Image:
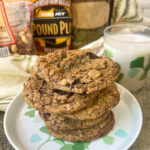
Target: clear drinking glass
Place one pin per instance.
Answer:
(129, 47)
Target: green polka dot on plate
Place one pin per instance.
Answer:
(35, 138)
(121, 133)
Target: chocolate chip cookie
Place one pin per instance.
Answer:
(78, 71)
(58, 122)
(74, 92)
(38, 94)
(83, 135)
(106, 100)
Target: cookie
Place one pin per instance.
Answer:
(78, 71)
(83, 135)
(38, 94)
(106, 100)
(58, 122)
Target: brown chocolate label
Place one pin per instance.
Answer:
(6, 35)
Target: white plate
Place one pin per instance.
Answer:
(26, 131)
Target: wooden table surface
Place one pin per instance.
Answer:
(143, 141)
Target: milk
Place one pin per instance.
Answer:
(128, 50)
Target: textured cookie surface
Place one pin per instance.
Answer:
(106, 100)
(78, 71)
(57, 122)
(83, 135)
(38, 94)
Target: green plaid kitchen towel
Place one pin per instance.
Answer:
(14, 71)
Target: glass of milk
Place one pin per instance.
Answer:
(129, 47)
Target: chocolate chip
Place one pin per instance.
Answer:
(44, 83)
(76, 81)
(70, 94)
(92, 56)
(46, 115)
(58, 65)
(60, 92)
(41, 92)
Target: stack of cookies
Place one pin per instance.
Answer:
(74, 92)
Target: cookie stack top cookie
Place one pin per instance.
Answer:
(77, 71)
